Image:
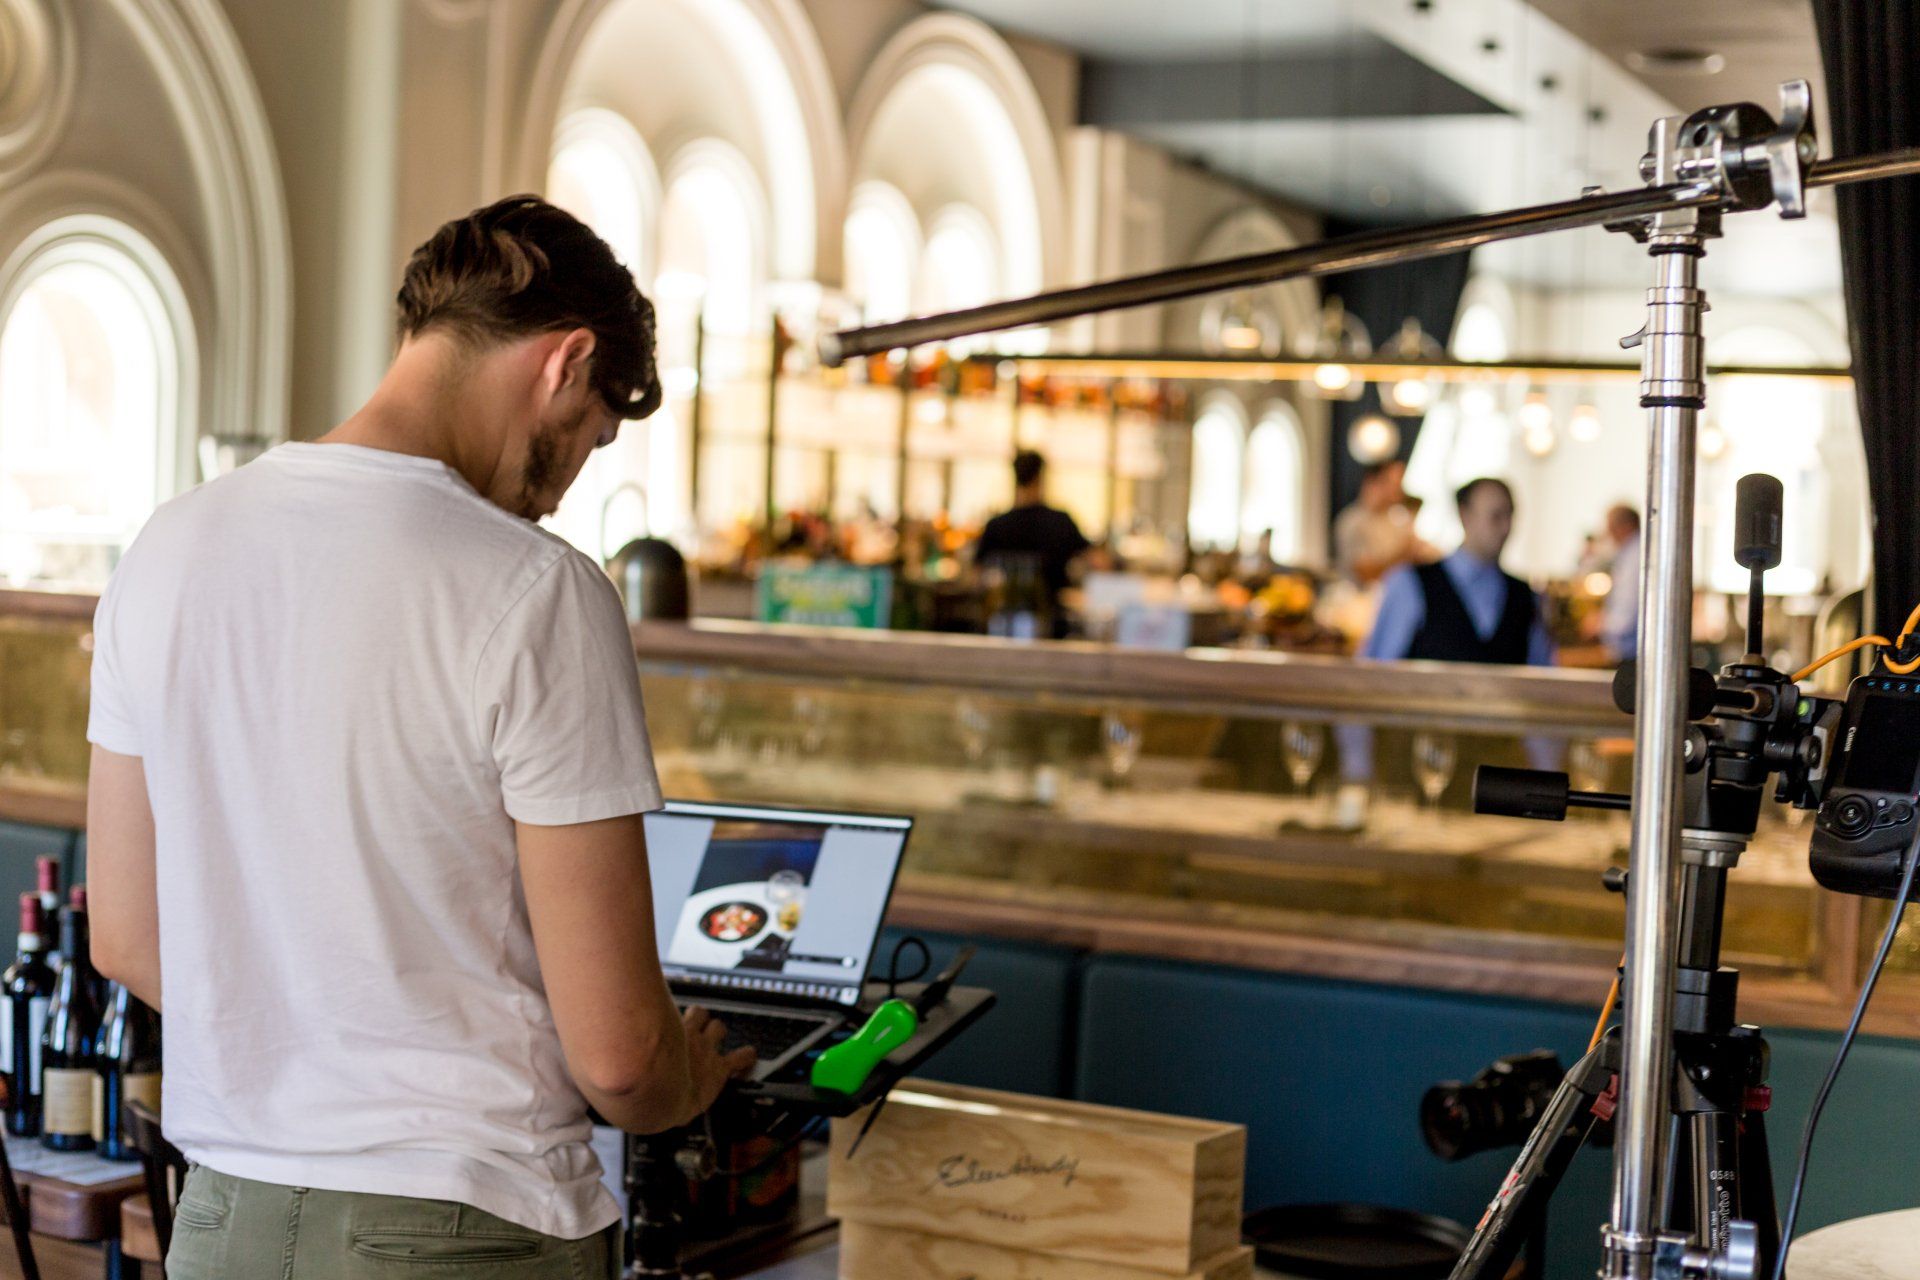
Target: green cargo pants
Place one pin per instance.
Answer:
(232, 1229)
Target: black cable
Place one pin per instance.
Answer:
(1840, 1057)
(894, 976)
(809, 1127)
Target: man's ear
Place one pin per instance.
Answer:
(567, 367)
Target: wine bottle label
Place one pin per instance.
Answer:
(36, 1023)
(69, 1108)
(142, 1087)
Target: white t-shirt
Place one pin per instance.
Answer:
(347, 675)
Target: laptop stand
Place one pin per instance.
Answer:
(659, 1165)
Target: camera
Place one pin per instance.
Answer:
(1497, 1108)
(1856, 762)
(1866, 819)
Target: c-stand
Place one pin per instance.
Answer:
(1719, 1175)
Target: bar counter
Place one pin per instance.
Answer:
(1178, 805)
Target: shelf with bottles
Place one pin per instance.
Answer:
(75, 1048)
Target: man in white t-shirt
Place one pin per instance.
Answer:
(368, 775)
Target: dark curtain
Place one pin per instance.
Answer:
(1871, 52)
(1382, 297)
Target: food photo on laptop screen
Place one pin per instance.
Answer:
(768, 899)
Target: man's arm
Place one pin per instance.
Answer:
(122, 897)
(1403, 609)
(590, 901)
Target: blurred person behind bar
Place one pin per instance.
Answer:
(1374, 534)
(1032, 536)
(367, 785)
(1463, 608)
(1620, 616)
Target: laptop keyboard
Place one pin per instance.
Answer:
(770, 1034)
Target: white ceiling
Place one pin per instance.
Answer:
(1574, 115)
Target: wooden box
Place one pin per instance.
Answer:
(868, 1252)
(1070, 1179)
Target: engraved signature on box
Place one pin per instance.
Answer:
(965, 1171)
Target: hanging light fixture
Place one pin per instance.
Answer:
(1239, 324)
(1583, 424)
(1713, 441)
(1535, 415)
(1410, 397)
(1341, 337)
(1373, 438)
(1539, 439)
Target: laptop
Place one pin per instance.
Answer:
(768, 916)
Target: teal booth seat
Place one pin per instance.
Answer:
(1327, 1077)
(1025, 1043)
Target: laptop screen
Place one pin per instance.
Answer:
(784, 901)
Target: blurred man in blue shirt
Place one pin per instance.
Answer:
(1620, 618)
(1465, 608)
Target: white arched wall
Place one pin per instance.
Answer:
(946, 114)
(1297, 304)
(184, 159)
(749, 72)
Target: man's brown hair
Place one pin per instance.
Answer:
(522, 266)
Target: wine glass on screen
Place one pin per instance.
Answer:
(1434, 756)
(1120, 735)
(787, 893)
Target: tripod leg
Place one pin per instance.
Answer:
(1716, 1176)
(1756, 1188)
(1520, 1207)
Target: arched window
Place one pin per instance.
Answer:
(713, 234)
(1276, 482)
(602, 174)
(882, 252)
(1480, 334)
(95, 349)
(1214, 486)
(962, 266)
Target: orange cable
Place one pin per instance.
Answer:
(1841, 652)
(1606, 1010)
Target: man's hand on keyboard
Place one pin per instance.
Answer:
(709, 1068)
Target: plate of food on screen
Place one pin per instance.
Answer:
(733, 921)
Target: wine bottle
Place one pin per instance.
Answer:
(28, 987)
(67, 1077)
(47, 872)
(129, 1068)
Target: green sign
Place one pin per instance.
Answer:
(825, 595)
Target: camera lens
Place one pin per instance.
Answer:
(1497, 1108)
(1852, 816)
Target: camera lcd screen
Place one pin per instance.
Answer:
(1885, 751)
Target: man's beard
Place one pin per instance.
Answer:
(541, 471)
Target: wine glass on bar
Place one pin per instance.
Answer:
(1434, 757)
(972, 724)
(1120, 737)
(1302, 746)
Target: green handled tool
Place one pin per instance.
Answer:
(846, 1066)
